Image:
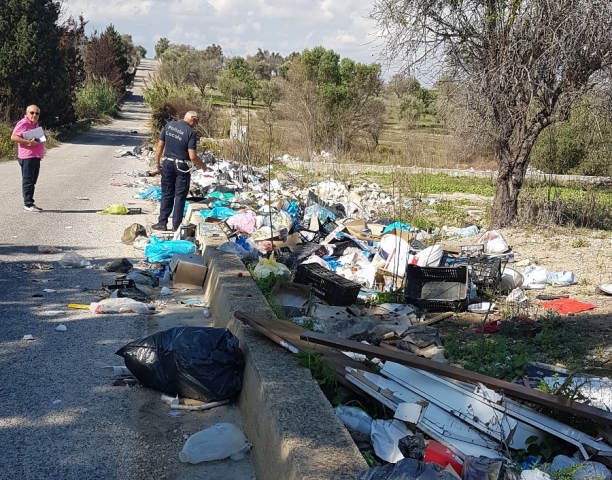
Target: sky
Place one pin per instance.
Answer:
(241, 26)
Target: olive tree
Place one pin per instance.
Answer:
(521, 64)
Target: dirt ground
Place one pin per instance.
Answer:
(587, 253)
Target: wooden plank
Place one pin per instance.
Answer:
(435, 319)
(278, 330)
(510, 389)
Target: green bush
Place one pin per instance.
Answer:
(169, 102)
(95, 99)
(7, 148)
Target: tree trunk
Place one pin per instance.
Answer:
(510, 178)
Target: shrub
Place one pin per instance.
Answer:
(7, 148)
(95, 99)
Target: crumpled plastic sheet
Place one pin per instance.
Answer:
(152, 193)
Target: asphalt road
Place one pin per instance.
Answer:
(60, 415)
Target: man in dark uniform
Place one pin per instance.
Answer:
(177, 141)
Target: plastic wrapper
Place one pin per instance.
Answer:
(202, 363)
(407, 469)
(74, 260)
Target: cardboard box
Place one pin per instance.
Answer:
(188, 271)
(363, 231)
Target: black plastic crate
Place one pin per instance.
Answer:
(303, 251)
(485, 272)
(327, 285)
(437, 288)
(341, 246)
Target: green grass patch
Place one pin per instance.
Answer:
(505, 354)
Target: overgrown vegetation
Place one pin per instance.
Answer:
(522, 339)
(72, 72)
(95, 99)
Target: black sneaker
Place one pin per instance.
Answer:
(159, 226)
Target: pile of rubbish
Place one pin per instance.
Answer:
(340, 264)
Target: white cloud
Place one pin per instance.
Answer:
(239, 26)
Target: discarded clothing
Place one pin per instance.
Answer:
(568, 305)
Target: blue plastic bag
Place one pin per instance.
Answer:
(151, 193)
(218, 212)
(159, 250)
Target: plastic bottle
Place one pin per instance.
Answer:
(220, 441)
(560, 278)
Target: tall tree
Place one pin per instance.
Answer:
(237, 80)
(343, 91)
(32, 68)
(402, 84)
(521, 64)
(100, 62)
(121, 51)
(161, 46)
(73, 42)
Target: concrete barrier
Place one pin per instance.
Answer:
(292, 426)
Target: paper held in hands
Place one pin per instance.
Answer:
(36, 133)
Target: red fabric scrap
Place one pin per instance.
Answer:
(568, 305)
(490, 327)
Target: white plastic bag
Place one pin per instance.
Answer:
(220, 441)
(429, 257)
(140, 242)
(494, 242)
(534, 474)
(533, 275)
(121, 305)
(386, 435)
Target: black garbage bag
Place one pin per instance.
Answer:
(122, 265)
(412, 446)
(202, 363)
(482, 468)
(285, 256)
(407, 469)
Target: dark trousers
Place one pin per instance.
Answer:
(175, 188)
(30, 168)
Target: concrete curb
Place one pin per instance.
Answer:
(293, 428)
